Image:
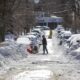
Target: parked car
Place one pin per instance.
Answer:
(59, 28)
(45, 28)
(73, 42)
(73, 39)
(23, 40)
(33, 38)
(37, 36)
(39, 31)
(39, 27)
(65, 35)
(30, 42)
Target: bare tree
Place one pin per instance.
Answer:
(16, 15)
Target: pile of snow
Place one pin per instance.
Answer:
(75, 53)
(78, 50)
(10, 51)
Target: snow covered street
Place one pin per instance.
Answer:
(54, 66)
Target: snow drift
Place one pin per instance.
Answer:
(11, 52)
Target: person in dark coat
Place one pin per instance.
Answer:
(44, 43)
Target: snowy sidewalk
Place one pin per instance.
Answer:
(40, 69)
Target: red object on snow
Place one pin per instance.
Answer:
(29, 50)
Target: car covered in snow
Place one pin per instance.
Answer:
(65, 35)
(73, 42)
(23, 40)
(30, 41)
(38, 37)
(45, 28)
(39, 27)
(41, 32)
(59, 28)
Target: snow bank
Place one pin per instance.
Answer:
(10, 51)
(75, 53)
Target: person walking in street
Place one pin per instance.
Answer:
(44, 43)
